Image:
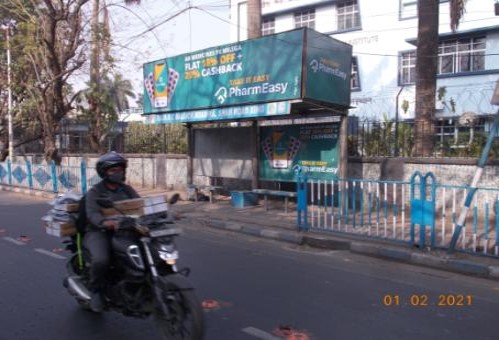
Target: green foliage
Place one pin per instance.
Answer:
(141, 138)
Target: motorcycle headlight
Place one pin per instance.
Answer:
(168, 255)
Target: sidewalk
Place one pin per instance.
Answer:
(277, 225)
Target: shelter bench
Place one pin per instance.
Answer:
(277, 193)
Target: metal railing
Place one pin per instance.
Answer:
(392, 139)
(46, 177)
(383, 209)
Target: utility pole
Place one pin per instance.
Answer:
(254, 31)
(6, 27)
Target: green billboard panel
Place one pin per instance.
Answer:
(267, 69)
(314, 147)
(328, 69)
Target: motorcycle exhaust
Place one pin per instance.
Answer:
(76, 287)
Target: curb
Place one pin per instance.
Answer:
(30, 192)
(373, 250)
(254, 231)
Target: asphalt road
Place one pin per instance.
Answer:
(260, 288)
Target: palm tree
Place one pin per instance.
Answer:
(118, 91)
(426, 68)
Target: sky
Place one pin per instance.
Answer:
(157, 29)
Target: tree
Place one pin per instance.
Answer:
(118, 91)
(426, 68)
(47, 52)
(100, 63)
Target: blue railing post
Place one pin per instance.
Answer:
(301, 195)
(54, 176)
(497, 228)
(30, 174)
(9, 171)
(423, 209)
(83, 177)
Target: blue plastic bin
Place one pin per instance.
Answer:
(241, 199)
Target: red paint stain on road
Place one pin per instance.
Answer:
(24, 238)
(288, 333)
(57, 250)
(210, 304)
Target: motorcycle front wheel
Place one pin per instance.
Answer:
(185, 318)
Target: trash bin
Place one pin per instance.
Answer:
(241, 199)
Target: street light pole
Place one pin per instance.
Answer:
(6, 28)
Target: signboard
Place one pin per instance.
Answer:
(294, 65)
(328, 69)
(222, 113)
(314, 147)
(260, 70)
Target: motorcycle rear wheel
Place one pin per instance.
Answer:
(186, 318)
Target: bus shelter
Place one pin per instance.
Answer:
(279, 101)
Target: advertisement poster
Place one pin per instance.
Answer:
(313, 147)
(267, 69)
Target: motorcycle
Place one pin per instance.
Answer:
(143, 279)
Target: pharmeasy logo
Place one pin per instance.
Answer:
(328, 67)
(221, 95)
(258, 89)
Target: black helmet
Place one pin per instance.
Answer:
(109, 160)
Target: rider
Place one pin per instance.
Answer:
(111, 167)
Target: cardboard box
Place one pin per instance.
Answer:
(68, 207)
(60, 232)
(134, 203)
(154, 200)
(60, 229)
(137, 203)
(142, 211)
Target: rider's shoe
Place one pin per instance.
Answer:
(96, 303)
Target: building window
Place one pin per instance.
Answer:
(242, 19)
(348, 15)
(268, 26)
(461, 55)
(305, 19)
(409, 9)
(355, 80)
(407, 66)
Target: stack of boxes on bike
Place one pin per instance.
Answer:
(60, 220)
(138, 206)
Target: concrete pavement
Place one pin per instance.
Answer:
(277, 225)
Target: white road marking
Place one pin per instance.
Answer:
(258, 333)
(13, 240)
(49, 253)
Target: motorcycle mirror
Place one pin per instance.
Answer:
(174, 198)
(105, 202)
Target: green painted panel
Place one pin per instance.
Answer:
(314, 147)
(328, 69)
(267, 69)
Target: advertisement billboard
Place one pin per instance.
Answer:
(314, 147)
(254, 71)
(295, 65)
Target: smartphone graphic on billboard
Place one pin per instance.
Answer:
(160, 85)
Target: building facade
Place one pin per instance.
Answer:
(383, 35)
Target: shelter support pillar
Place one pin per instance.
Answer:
(343, 161)
(190, 153)
(255, 140)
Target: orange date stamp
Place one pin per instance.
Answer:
(425, 300)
